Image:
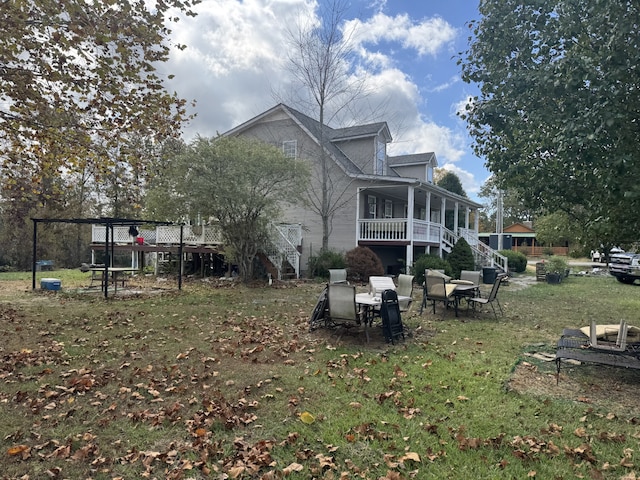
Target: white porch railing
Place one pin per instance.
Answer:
(191, 234)
(387, 229)
(166, 234)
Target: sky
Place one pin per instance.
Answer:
(235, 67)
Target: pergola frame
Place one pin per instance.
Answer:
(109, 223)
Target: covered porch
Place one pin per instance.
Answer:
(417, 215)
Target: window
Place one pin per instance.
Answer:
(373, 206)
(290, 148)
(388, 209)
(381, 157)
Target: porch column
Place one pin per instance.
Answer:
(455, 218)
(411, 192)
(466, 217)
(357, 232)
(443, 206)
(476, 219)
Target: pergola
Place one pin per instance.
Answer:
(108, 223)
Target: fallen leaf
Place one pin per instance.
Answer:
(307, 418)
(294, 467)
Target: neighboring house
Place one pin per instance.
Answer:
(389, 204)
(521, 237)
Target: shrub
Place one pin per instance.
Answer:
(461, 258)
(362, 262)
(319, 266)
(517, 260)
(556, 265)
(426, 261)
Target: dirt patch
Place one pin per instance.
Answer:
(613, 389)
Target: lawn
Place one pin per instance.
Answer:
(225, 381)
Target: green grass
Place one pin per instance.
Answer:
(211, 381)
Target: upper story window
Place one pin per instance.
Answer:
(381, 158)
(290, 148)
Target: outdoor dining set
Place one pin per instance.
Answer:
(387, 298)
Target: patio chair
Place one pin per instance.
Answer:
(378, 284)
(471, 276)
(342, 309)
(405, 289)
(437, 290)
(341, 299)
(491, 299)
(338, 275)
(391, 320)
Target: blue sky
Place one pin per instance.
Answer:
(235, 67)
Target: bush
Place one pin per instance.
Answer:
(461, 258)
(556, 265)
(319, 266)
(517, 260)
(426, 261)
(362, 263)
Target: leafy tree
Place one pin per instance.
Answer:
(512, 209)
(555, 229)
(77, 78)
(451, 182)
(241, 183)
(557, 114)
(461, 258)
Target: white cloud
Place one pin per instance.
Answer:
(428, 36)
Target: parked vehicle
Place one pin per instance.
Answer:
(625, 266)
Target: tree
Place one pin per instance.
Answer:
(451, 182)
(320, 60)
(461, 257)
(512, 209)
(78, 77)
(240, 183)
(557, 114)
(556, 229)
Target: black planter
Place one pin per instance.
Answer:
(554, 278)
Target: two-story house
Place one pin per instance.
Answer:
(387, 203)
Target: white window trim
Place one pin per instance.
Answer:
(290, 148)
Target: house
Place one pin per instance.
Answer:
(521, 237)
(387, 203)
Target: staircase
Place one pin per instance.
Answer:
(483, 255)
(283, 253)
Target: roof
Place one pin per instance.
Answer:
(362, 131)
(428, 158)
(335, 136)
(518, 228)
(102, 221)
